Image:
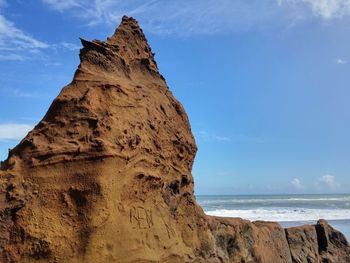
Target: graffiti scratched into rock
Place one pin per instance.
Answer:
(141, 217)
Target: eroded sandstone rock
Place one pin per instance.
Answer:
(105, 176)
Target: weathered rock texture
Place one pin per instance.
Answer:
(106, 177)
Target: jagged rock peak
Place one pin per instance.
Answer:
(131, 39)
(126, 53)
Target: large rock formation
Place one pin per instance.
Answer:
(106, 177)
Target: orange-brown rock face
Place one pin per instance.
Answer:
(106, 177)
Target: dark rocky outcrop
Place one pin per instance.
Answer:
(105, 176)
(317, 243)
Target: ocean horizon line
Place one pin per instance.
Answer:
(295, 194)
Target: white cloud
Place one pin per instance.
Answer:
(328, 180)
(325, 9)
(341, 61)
(14, 131)
(329, 9)
(296, 183)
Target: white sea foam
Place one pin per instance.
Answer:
(284, 214)
(272, 200)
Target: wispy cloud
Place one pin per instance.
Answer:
(341, 61)
(62, 5)
(17, 45)
(221, 138)
(12, 57)
(185, 17)
(212, 137)
(205, 135)
(53, 64)
(14, 131)
(182, 17)
(296, 183)
(66, 46)
(70, 46)
(22, 94)
(14, 39)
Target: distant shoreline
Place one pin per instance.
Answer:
(289, 210)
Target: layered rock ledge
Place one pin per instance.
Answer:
(105, 176)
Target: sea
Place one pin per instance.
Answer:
(288, 210)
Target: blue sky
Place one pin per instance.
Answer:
(265, 83)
